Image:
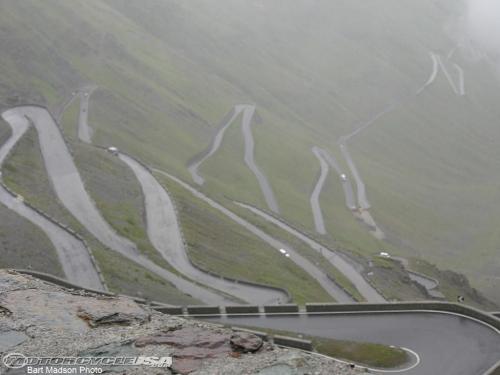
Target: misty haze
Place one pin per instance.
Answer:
(262, 164)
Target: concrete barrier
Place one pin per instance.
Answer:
(262, 335)
(293, 342)
(494, 370)
(274, 309)
(406, 306)
(174, 310)
(203, 310)
(61, 282)
(244, 309)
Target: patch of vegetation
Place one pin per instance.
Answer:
(453, 284)
(5, 131)
(361, 353)
(125, 277)
(217, 244)
(25, 165)
(24, 245)
(368, 354)
(117, 194)
(311, 254)
(165, 82)
(69, 120)
(393, 281)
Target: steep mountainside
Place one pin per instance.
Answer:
(405, 74)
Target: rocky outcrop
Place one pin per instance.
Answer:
(41, 319)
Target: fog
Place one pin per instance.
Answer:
(483, 24)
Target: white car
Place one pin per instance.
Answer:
(383, 254)
(343, 177)
(113, 150)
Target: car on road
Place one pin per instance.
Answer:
(343, 177)
(113, 150)
(384, 254)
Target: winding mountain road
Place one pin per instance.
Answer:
(74, 257)
(349, 270)
(214, 146)
(247, 112)
(265, 187)
(319, 223)
(165, 235)
(446, 344)
(316, 273)
(326, 160)
(360, 185)
(70, 190)
(350, 201)
(85, 132)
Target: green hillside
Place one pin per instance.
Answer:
(167, 73)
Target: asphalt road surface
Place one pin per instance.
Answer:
(84, 130)
(70, 190)
(349, 270)
(446, 344)
(214, 146)
(319, 223)
(72, 253)
(350, 201)
(265, 187)
(165, 235)
(315, 272)
(247, 112)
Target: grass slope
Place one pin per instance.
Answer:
(168, 73)
(25, 165)
(217, 244)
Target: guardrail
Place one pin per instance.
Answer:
(66, 284)
(46, 215)
(340, 252)
(211, 273)
(494, 370)
(406, 306)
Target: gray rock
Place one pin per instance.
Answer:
(246, 342)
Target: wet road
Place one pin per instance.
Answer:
(265, 187)
(165, 235)
(247, 112)
(85, 132)
(70, 190)
(316, 273)
(319, 223)
(446, 344)
(350, 201)
(72, 253)
(349, 270)
(214, 146)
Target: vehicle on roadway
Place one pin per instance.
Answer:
(113, 150)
